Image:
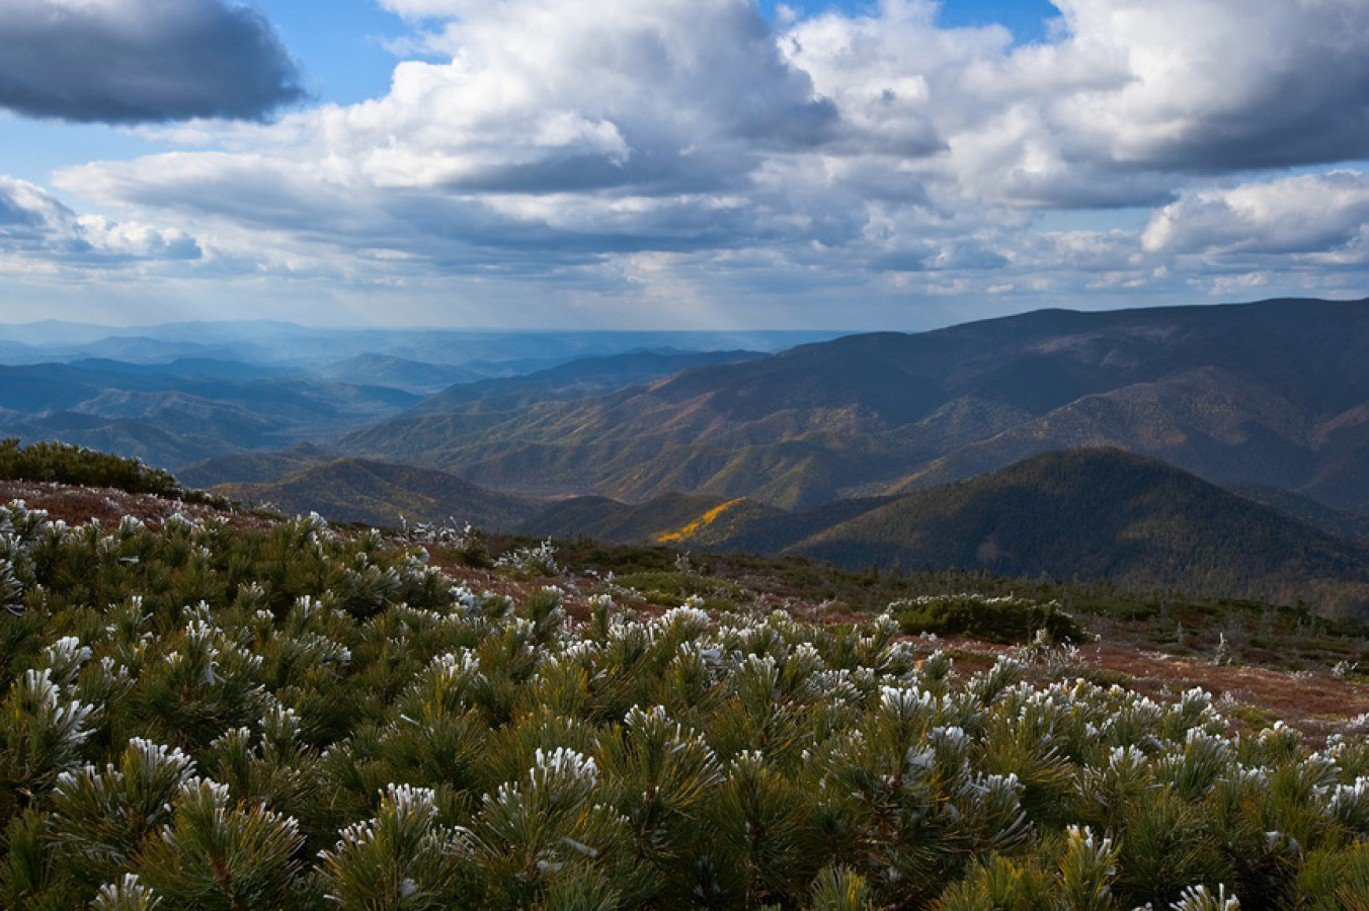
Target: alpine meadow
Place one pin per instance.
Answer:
(684, 455)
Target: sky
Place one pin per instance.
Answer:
(900, 164)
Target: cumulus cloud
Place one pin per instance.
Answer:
(36, 228)
(126, 61)
(555, 95)
(1308, 213)
(1131, 96)
(1217, 85)
(695, 144)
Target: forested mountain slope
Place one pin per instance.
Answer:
(1081, 514)
(1271, 393)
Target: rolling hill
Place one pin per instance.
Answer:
(418, 377)
(377, 493)
(573, 380)
(1272, 393)
(481, 400)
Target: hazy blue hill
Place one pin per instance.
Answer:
(1272, 393)
(183, 369)
(397, 372)
(185, 410)
(139, 439)
(487, 352)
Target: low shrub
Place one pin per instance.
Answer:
(208, 717)
(1003, 618)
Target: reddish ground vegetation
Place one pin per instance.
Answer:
(76, 505)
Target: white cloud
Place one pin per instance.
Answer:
(1219, 84)
(555, 95)
(1134, 96)
(1309, 213)
(603, 145)
(36, 228)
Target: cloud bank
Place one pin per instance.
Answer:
(38, 232)
(128, 61)
(836, 167)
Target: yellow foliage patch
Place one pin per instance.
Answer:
(698, 524)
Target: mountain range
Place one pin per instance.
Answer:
(1084, 514)
(192, 409)
(1273, 393)
(1216, 449)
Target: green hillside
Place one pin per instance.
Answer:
(1104, 513)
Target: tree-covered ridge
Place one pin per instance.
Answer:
(214, 717)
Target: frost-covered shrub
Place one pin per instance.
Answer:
(68, 464)
(211, 717)
(531, 560)
(1004, 618)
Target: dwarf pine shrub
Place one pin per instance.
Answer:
(212, 717)
(1002, 618)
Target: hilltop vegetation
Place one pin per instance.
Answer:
(212, 716)
(63, 464)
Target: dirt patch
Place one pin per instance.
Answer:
(1315, 701)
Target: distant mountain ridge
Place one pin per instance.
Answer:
(185, 410)
(576, 379)
(1271, 393)
(196, 410)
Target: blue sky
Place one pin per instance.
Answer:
(677, 162)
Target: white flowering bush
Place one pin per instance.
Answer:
(210, 717)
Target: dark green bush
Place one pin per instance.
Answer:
(66, 464)
(995, 619)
